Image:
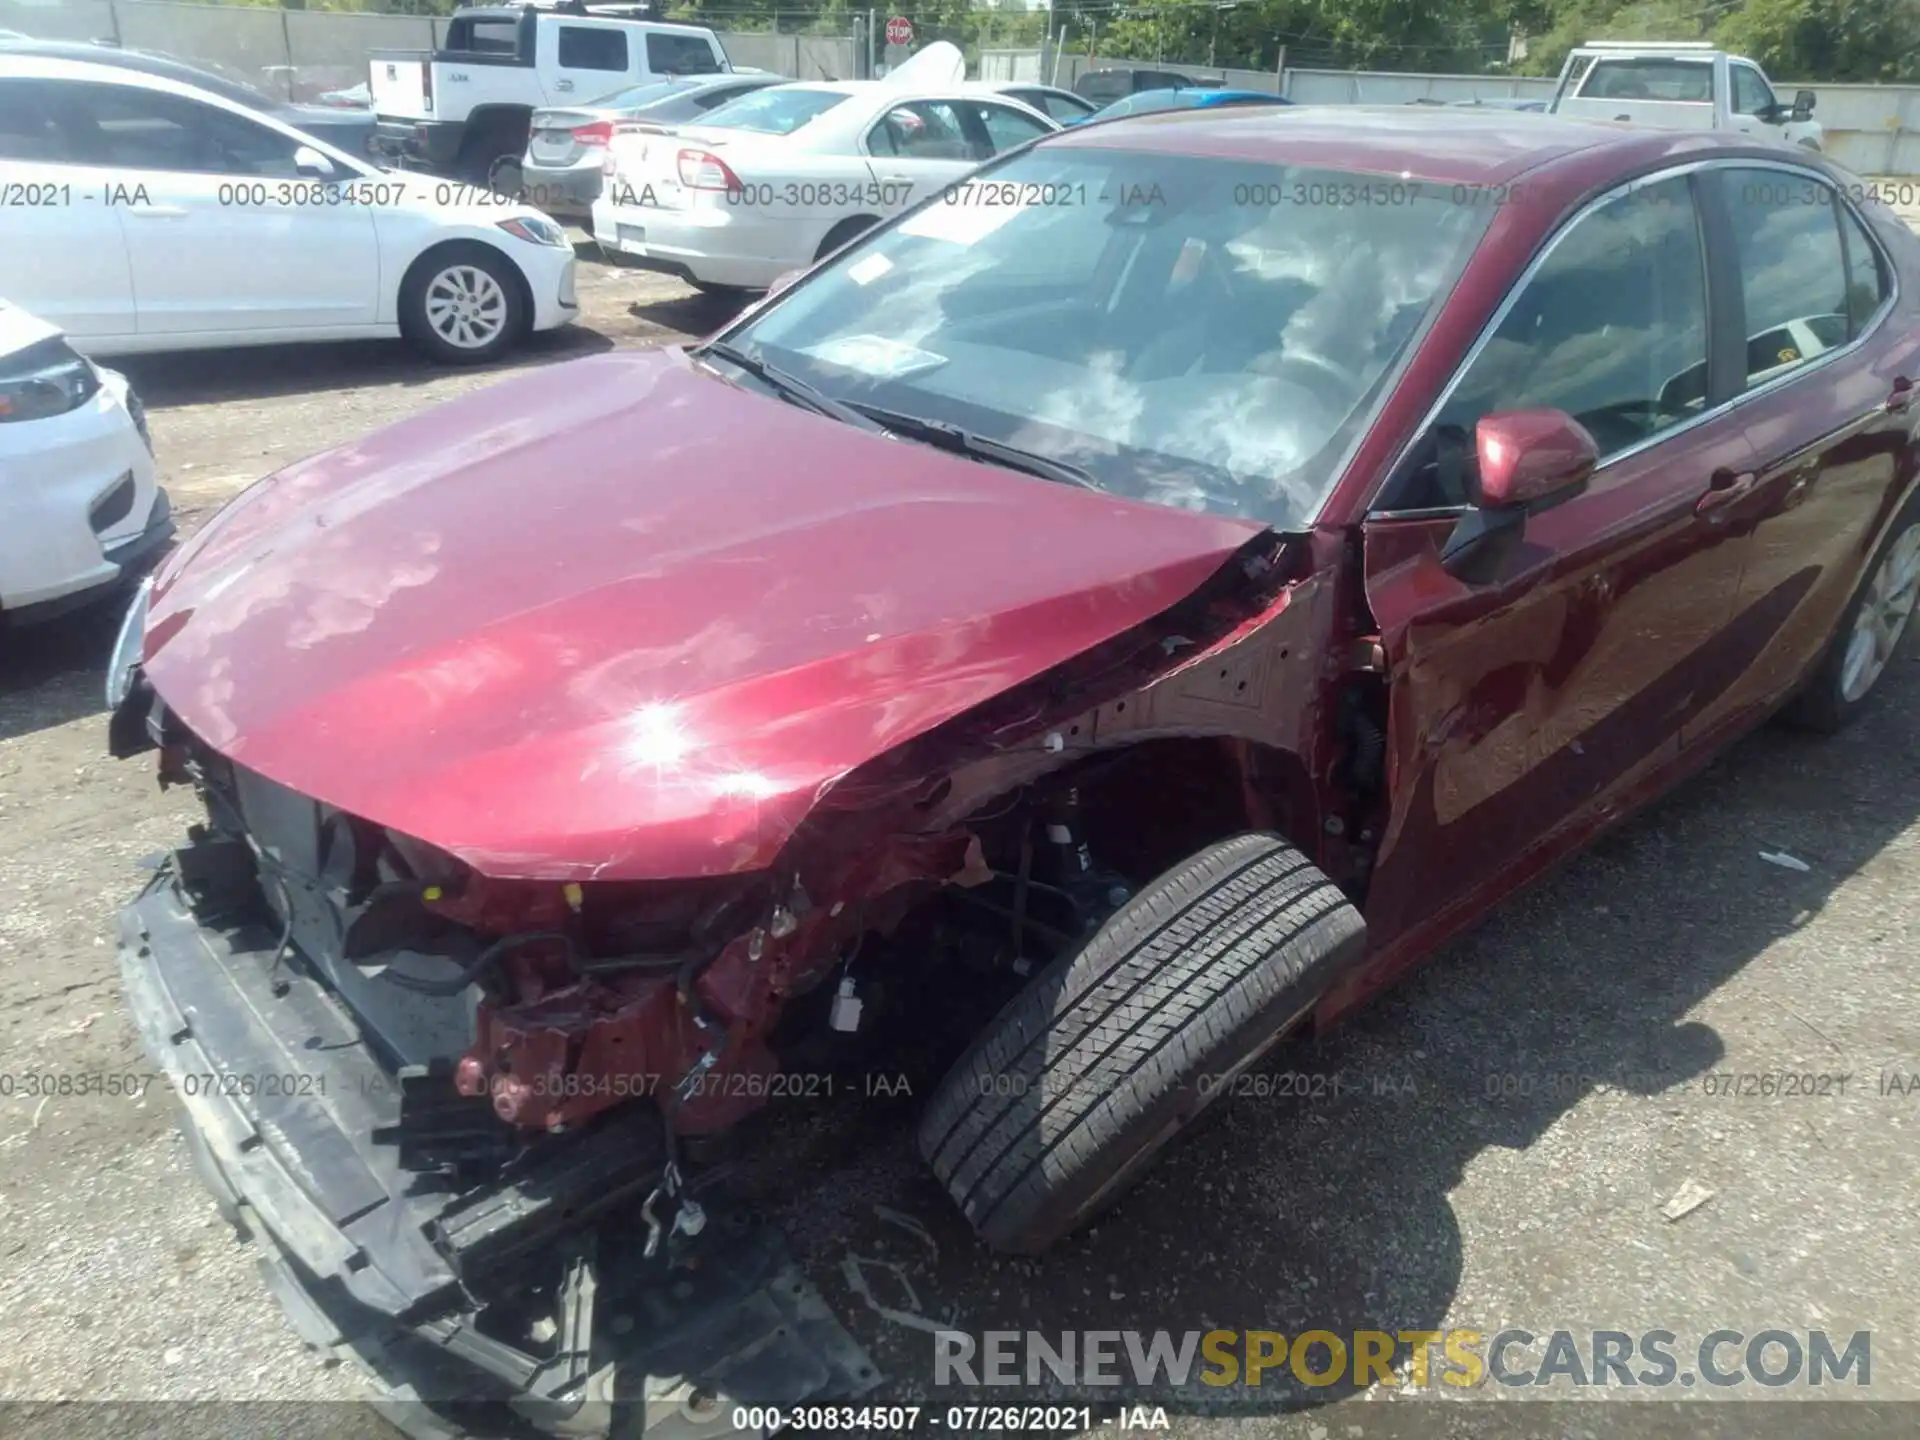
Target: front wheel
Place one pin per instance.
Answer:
(1116, 1046)
(1869, 632)
(462, 304)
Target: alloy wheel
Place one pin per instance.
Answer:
(1884, 612)
(466, 307)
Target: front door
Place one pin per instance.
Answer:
(1528, 710)
(224, 233)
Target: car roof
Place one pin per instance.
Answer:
(1441, 144)
(144, 62)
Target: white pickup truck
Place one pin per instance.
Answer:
(1683, 86)
(464, 108)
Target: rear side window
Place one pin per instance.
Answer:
(1867, 287)
(27, 131)
(1793, 271)
(582, 47)
(921, 130)
(1673, 80)
(1006, 127)
(1063, 108)
(483, 37)
(681, 55)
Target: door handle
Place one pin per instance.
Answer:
(563, 84)
(157, 212)
(1725, 488)
(1901, 400)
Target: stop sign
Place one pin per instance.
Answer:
(899, 31)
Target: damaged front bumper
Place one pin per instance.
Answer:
(548, 1287)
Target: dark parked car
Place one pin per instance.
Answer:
(1103, 87)
(1050, 100)
(1074, 646)
(1190, 98)
(566, 147)
(343, 127)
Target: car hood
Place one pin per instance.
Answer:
(620, 619)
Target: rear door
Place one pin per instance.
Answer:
(63, 249)
(1525, 711)
(582, 60)
(1828, 383)
(224, 232)
(918, 146)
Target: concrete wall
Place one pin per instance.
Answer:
(301, 53)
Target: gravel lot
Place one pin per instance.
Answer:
(1417, 1199)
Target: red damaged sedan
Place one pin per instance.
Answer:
(1152, 593)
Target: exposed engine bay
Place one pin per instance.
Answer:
(527, 1093)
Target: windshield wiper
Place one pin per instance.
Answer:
(790, 387)
(966, 442)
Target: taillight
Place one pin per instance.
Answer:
(598, 133)
(703, 170)
(426, 84)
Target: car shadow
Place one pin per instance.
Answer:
(201, 377)
(1317, 1196)
(696, 314)
(54, 671)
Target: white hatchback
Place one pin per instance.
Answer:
(79, 509)
(142, 214)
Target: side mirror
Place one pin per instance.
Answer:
(309, 161)
(1527, 461)
(1803, 104)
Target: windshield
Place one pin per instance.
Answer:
(1208, 334)
(780, 110)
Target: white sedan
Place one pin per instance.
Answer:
(776, 180)
(79, 511)
(142, 214)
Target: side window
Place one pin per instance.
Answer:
(1612, 329)
(1008, 128)
(1867, 283)
(921, 130)
(468, 36)
(681, 55)
(135, 129)
(27, 129)
(1793, 272)
(584, 48)
(1751, 95)
(1064, 108)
